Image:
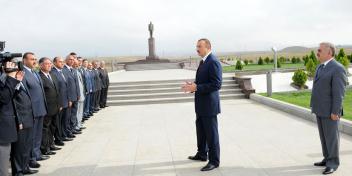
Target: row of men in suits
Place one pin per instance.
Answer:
(48, 108)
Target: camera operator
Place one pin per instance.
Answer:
(8, 129)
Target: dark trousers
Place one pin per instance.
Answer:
(56, 127)
(86, 108)
(73, 119)
(208, 138)
(97, 99)
(65, 122)
(92, 101)
(103, 97)
(37, 138)
(330, 140)
(21, 150)
(48, 135)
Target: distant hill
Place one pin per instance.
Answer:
(295, 49)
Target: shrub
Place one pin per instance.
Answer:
(239, 65)
(299, 78)
(245, 62)
(260, 61)
(278, 64)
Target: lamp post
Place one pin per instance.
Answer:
(275, 58)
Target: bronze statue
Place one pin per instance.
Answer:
(151, 29)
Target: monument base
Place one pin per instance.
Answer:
(152, 58)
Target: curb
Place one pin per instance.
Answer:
(304, 113)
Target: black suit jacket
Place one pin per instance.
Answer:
(51, 93)
(8, 132)
(23, 106)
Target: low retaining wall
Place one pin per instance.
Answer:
(345, 125)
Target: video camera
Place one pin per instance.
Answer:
(7, 57)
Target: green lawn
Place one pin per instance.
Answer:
(303, 99)
(256, 67)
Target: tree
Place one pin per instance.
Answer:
(310, 67)
(298, 60)
(293, 60)
(260, 61)
(267, 60)
(305, 59)
(282, 59)
(239, 65)
(341, 54)
(345, 62)
(313, 57)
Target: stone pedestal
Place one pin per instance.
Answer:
(152, 56)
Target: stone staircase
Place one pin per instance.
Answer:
(160, 92)
(152, 66)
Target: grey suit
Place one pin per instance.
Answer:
(34, 86)
(327, 96)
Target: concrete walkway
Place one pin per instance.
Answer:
(156, 140)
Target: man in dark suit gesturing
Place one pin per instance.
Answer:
(326, 102)
(207, 105)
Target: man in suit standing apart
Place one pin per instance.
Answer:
(207, 105)
(34, 85)
(326, 103)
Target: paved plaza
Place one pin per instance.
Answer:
(256, 140)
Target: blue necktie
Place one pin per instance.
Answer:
(35, 75)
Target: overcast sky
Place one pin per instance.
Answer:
(120, 27)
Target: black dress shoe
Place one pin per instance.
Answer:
(197, 158)
(329, 170)
(29, 172)
(54, 148)
(50, 153)
(42, 158)
(323, 163)
(33, 164)
(67, 139)
(71, 136)
(209, 167)
(59, 143)
(76, 132)
(18, 174)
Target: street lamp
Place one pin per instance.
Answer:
(274, 49)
